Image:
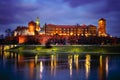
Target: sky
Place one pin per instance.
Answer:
(15, 13)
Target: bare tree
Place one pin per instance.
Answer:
(8, 32)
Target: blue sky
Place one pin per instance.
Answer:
(19, 12)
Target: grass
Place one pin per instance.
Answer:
(66, 49)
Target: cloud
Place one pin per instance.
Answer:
(12, 11)
(77, 3)
(19, 12)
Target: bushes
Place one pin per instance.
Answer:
(48, 44)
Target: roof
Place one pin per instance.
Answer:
(20, 28)
(31, 23)
(102, 19)
(61, 26)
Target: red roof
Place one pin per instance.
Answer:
(62, 26)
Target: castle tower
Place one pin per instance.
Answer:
(31, 28)
(102, 27)
(37, 24)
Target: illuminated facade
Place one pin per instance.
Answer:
(102, 27)
(32, 29)
(69, 30)
(42, 35)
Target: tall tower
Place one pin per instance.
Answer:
(31, 28)
(102, 27)
(37, 24)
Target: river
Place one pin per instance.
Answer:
(16, 66)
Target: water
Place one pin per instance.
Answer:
(15, 66)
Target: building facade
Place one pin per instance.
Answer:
(69, 30)
(32, 29)
(43, 34)
(102, 27)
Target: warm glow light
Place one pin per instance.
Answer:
(100, 61)
(71, 33)
(37, 28)
(107, 66)
(20, 59)
(12, 54)
(6, 47)
(31, 28)
(53, 64)
(41, 69)
(6, 54)
(101, 22)
(22, 39)
(31, 67)
(86, 34)
(101, 69)
(37, 23)
(36, 58)
(76, 61)
(70, 64)
(87, 65)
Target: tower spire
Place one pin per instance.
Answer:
(37, 24)
(37, 21)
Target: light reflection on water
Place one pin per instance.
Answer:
(58, 66)
(87, 65)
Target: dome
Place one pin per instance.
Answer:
(32, 23)
(102, 19)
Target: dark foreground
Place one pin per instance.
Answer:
(14, 66)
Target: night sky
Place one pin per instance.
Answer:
(19, 12)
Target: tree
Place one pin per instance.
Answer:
(1, 36)
(8, 32)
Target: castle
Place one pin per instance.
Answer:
(34, 29)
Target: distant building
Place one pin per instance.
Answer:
(69, 30)
(32, 29)
(102, 27)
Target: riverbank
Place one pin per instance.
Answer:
(105, 49)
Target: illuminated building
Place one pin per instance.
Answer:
(32, 29)
(102, 27)
(42, 35)
(37, 24)
(69, 30)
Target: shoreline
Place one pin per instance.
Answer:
(67, 49)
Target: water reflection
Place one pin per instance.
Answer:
(41, 70)
(53, 64)
(107, 66)
(56, 66)
(87, 65)
(76, 56)
(101, 68)
(70, 63)
(36, 59)
(31, 68)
